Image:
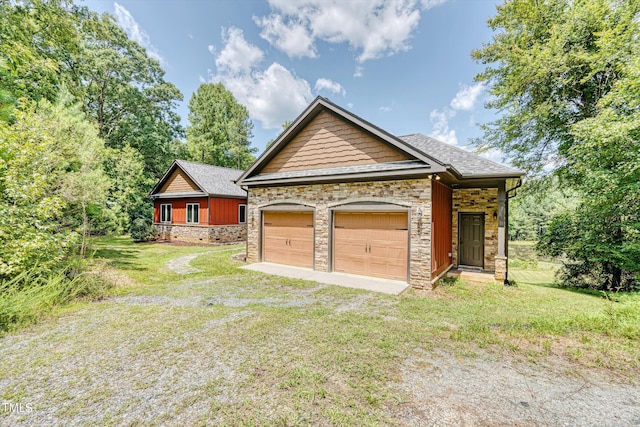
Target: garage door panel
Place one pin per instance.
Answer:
(371, 244)
(288, 238)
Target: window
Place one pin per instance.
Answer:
(193, 213)
(165, 213)
(242, 214)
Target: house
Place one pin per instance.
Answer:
(336, 193)
(199, 203)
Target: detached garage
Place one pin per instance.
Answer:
(335, 193)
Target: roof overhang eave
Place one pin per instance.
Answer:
(361, 176)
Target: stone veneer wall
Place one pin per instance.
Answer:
(476, 200)
(202, 233)
(415, 194)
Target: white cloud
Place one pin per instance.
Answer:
(464, 100)
(292, 38)
(358, 71)
(374, 28)
(212, 49)
(329, 85)
(272, 96)
(350, 104)
(238, 55)
(385, 109)
(136, 33)
(440, 126)
(467, 96)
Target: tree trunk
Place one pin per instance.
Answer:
(85, 230)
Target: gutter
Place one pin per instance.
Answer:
(518, 185)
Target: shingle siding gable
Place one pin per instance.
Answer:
(329, 141)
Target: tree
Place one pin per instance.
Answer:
(604, 231)
(551, 61)
(124, 90)
(538, 201)
(54, 45)
(219, 129)
(50, 165)
(566, 80)
(82, 182)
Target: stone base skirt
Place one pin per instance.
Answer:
(214, 234)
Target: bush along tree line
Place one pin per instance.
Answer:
(87, 126)
(565, 76)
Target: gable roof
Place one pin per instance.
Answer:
(211, 180)
(428, 156)
(467, 164)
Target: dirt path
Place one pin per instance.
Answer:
(181, 265)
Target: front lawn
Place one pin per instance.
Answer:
(233, 347)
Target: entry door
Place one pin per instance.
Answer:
(288, 238)
(472, 240)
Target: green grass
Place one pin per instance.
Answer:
(296, 353)
(146, 263)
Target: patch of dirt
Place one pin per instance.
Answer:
(444, 390)
(181, 265)
(112, 276)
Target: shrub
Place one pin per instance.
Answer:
(142, 230)
(29, 296)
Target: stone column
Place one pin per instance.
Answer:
(501, 257)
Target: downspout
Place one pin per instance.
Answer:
(246, 224)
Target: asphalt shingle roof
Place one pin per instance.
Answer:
(341, 170)
(214, 179)
(468, 164)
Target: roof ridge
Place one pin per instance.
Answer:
(207, 165)
(459, 149)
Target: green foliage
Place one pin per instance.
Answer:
(219, 129)
(551, 61)
(602, 236)
(125, 92)
(30, 295)
(537, 202)
(566, 78)
(142, 229)
(49, 47)
(32, 163)
(128, 195)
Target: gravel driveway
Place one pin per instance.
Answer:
(183, 356)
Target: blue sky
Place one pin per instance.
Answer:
(403, 65)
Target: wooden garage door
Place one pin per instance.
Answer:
(371, 244)
(288, 238)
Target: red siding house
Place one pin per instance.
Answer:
(199, 203)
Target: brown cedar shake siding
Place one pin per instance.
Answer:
(329, 141)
